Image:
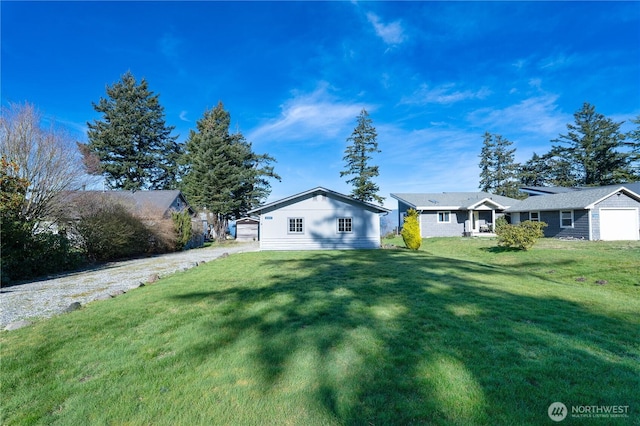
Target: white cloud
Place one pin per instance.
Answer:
(183, 116)
(520, 63)
(557, 61)
(311, 118)
(445, 94)
(392, 33)
(538, 115)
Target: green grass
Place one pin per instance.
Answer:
(460, 332)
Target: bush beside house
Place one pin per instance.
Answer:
(411, 230)
(522, 236)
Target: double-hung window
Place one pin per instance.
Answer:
(534, 216)
(444, 217)
(296, 225)
(566, 219)
(345, 224)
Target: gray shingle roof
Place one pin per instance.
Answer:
(544, 190)
(547, 189)
(159, 201)
(320, 190)
(452, 200)
(566, 201)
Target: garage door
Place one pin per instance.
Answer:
(619, 224)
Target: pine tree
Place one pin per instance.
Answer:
(498, 170)
(487, 164)
(223, 174)
(593, 149)
(533, 172)
(546, 170)
(132, 141)
(634, 155)
(357, 157)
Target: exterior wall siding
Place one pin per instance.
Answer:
(320, 231)
(552, 219)
(430, 227)
(622, 201)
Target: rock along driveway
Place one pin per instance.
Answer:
(49, 297)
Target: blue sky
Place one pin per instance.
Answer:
(434, 76)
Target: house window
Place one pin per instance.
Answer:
(344, 224)
(534, 216)
(444, 217)
(296, 225)
(566, 219)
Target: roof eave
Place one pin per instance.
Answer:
(374, 207)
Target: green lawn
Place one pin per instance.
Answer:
(460, 332)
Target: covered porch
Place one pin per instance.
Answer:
(481, 218)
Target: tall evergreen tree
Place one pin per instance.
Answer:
(634, 155)
(487, 163)
(357, 156)
(498, 169)
(223, 175)
(131, 140)
(533, 172)
(592, 146)
(546, 170)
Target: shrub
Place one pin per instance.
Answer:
(411, 230)
(27, 253)
(522, 236)
(109, 231)
(500, 222)
(183, 228)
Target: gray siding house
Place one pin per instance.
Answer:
(319, 219)
(604, 213)
(454, 214)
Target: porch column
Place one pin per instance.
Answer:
(493, 220)
(470, 230)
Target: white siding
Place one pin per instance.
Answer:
(320, 214)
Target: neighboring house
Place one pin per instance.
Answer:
(603, 213)
(248, 229)
(546, 190)
(319, 219)
(453, 214)
(549, 190)
(150, 205)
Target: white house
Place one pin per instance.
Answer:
(319, 219)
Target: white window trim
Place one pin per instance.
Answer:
(289, 231)
(448, 214)
(350, 219)
(572, 222)
(534, 220)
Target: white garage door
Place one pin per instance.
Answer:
(619, 224)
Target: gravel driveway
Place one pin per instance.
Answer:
(46, 298)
